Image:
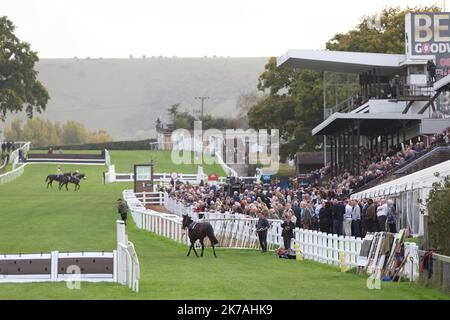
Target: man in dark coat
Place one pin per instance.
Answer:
(371, 217)
(288, 230)
(122, 209)
(325, 218)
(261, 229)
(338, 212)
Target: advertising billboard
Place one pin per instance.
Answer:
(427, 35)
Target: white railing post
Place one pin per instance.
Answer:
(121, 256)
(54, 265)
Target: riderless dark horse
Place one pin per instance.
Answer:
(56, 177)
(75, 179)
(198, 231)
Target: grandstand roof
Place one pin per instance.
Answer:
(342, 61)
(417, 180)
(370, 122)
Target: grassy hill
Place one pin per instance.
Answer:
(125, 96)
(36, 219)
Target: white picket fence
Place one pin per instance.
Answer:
(12, 175)
(239, 231)
(166, 225)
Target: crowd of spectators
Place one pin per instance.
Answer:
(7, 148)
(308, 208)
(378, 165)
(323, 208)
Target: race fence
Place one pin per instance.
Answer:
(162, 179)
(121, 265)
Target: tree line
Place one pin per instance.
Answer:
(42, 132)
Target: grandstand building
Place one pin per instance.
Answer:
(399, 102)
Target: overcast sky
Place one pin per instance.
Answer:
(184, 28)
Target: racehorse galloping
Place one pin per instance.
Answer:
(75, 179)
(198, 231)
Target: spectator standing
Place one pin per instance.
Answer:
(306, 216)
(348, 219)
(382, 212)
(297, 212)
(338, 216)
(325, 218)
(315, 217)
(371, 217)
(288, 230)
(391, 216)
(261, 230)
(363, 218)
(122, 209)
(356, 219)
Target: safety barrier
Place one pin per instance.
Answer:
(176, 207)
(12, 175)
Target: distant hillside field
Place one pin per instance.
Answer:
(125, 96)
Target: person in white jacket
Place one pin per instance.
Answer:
(347, 224)
(382, 212)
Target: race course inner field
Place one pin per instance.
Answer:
(35, 219)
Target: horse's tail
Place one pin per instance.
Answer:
(48, 177)
(212, 238)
